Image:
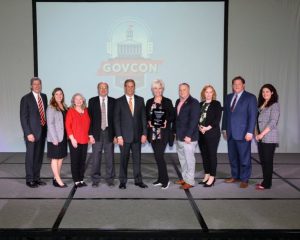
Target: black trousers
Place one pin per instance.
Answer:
(78, 158)
(159, 147)
(34, 157)
(135, 147)
(208, 145)
(266, 155)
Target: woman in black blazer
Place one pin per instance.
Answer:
(209, 133)
(159, 137)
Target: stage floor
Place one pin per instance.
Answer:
(224, 207)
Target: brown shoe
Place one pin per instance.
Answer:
(186, 186)
(231, 180)
(180, 182)
(243, 185)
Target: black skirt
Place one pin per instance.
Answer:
(57, 151)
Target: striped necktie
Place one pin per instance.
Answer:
(41, 110)
(233, 103)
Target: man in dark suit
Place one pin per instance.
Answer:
(187, 134)
(131, 131)
(33, 120)
(102, 134)
(240, 111)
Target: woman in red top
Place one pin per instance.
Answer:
(77, 127)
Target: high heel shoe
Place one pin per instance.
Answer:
(56, 184)
(210, 185)
(203, 182)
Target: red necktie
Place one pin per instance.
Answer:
(41, 110)
(233, 103)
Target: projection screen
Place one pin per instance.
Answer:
(78, 44)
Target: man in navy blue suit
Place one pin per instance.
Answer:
(240, 111)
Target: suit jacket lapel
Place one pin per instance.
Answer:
(127, 105)
(97, 108)
(135, 106)
(240, 101)
(109, 107)
(184, 105)
(34, 103)
(44, 102)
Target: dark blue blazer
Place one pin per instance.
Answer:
(131, 128)
(243, 118)
(30, 115)
(186, 123)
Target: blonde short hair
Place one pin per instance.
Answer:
(158, 82)
(83, 106)
(202, 94)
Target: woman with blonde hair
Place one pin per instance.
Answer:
(160, 135)
(209, 133)
(56, 135)
(77, 125)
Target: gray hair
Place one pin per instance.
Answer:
(184, 84)
(35, 79)
(102, 83)
(83, 99)
(158, 82)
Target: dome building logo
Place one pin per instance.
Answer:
(129, 47)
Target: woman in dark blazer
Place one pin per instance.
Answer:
(267, 132)
(209, 133)
(159, 137)
(56, 135)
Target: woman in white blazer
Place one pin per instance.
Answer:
(56, 135)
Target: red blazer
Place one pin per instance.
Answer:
(78, 125)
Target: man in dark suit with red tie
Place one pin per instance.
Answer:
(102, 134)
(131, 131)
(33, 120)
(239, 118)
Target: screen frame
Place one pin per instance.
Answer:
(225, 47)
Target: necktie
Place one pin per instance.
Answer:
(41, 111)
(103, 115)
(233, 103)
(131, 105)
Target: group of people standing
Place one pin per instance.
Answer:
(128, 122)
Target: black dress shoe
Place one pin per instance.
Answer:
(157, 183)
(110, 183)
(83, 184)
(78, 185)
(141, 185)
(95, 184)
(122, 186)
(32, 184)
(41, 183)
